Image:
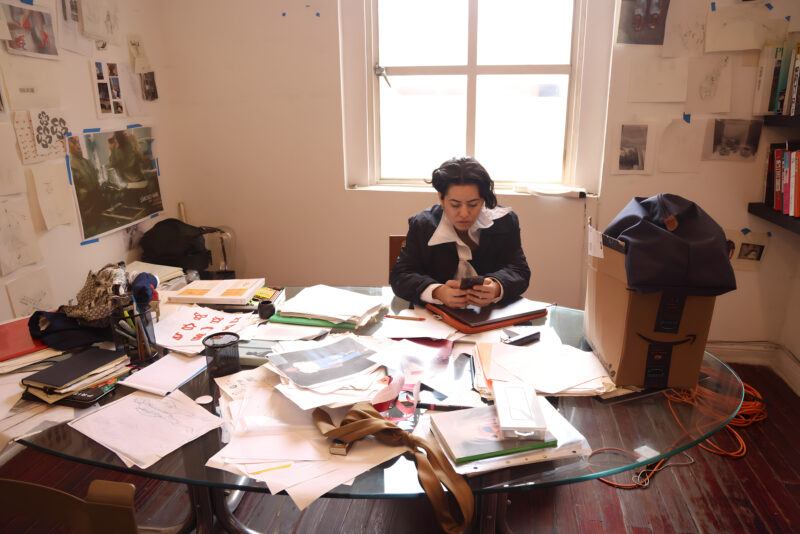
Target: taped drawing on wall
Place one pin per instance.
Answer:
(18, 243)
(685, 31)
(115, 179)
(635, 144)
(69, 32)
(710, 84)
(53, 193)
(31, 150)
(30, 292)
(99, 20)
(31, 30)
(12, 181)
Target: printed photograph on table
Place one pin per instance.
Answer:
(642, 22)
(732, 140)
(115, 179)
(31, 30)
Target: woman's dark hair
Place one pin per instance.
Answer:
(464, 171)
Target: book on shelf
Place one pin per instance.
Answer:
(779, 97)
(790, 108)
(767, 76)
(787, 160)
(474, 434)
(234, 291)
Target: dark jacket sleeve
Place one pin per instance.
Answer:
(512, 270)
(408, 278)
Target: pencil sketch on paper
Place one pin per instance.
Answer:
(30, 292)
(53, 193)
(99, 19)
(686, 28)
(711, 81)
(18, 245)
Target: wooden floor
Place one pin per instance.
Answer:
(759, 493)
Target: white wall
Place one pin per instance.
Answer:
(66, 261)
(251, 131)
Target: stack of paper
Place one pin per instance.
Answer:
(29, 362)
(277, 443)
(184, 327)
(164, 273)
(336, 306)
(415, 323)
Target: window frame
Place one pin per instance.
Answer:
(590, 61)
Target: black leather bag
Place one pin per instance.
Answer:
(173, 242)
(673, 245)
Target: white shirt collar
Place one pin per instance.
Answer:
(446, 232)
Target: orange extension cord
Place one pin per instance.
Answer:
(752, 410)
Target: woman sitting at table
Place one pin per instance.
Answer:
(467, 234)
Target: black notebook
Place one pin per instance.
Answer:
(67, 372)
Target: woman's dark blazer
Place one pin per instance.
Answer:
(499, 256)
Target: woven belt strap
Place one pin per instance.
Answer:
(433, 469)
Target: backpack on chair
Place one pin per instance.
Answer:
(175, 243)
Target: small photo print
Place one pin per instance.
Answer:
(115, 91)
(751, 251)
(31, 30)
(632, 147)
(112, 69)
(98, 68)
(732, 140)
(118, 109)
(105, 97)
(642, 22)
(149, 90)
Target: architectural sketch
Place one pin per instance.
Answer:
(30, 292)
(18, 243)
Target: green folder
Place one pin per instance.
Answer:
(305, 321)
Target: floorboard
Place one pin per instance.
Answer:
(759, 493)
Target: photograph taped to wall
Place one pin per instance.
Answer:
(115, 179)
(746, 249)
(69, 30)
(732, 140)
(108, 89)
(635, 142)
(642, 21)
(31, 29)
(149, 90)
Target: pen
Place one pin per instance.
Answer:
(405, 318)
(442, 407)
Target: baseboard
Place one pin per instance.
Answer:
(767, 354)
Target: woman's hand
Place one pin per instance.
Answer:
(451, 294)
(483, 295)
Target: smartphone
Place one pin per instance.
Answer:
(472, 281)
(522, 339)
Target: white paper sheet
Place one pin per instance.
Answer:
(709, 86)
(32, 84)
(742, 27)
(237, 385)
(53, 192)
(680, 147)
(186, 326)
(49, 129)
(139, 60)
(18, 243)
(12, 180)
(266, 411)
(595, 242)
(287, 332)
(685, 31)
(69, 33)
(332, 304)
(131, 91)
(10, 391)
(32, 29)
(285, 445)
(144, 428)
(166, 374)
(4, 33)
(30, 292)
(658, 80)
(100, 20)
(428, 327)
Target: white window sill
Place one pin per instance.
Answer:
(542, 190)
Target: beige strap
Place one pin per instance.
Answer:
(433, 469)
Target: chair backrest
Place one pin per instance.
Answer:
(396, 242)
(108, 506)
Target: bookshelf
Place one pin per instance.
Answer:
(759, 209)
(782, 121)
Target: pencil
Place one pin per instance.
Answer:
(405, 318)
(283, 466)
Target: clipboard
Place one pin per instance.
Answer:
(492, 317)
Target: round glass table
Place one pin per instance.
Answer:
(647, 420)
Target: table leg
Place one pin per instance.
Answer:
(213, 504)
(202, 509)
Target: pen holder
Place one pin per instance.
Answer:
(133, 333)
(222, 353)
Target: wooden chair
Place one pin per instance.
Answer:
(396, 243)
(108, 506)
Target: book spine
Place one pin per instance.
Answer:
(785, 183)
(778, 180)
(761, 95)
(783, 82)
(776, 74)
(795, 80)
(792, 184)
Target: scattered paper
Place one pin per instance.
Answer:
(287, 332)
(167, 374)
(18, 243)
(680, 147)
(184, 329)
(742, 27)
(53, 192)
(686, 28)
(32, 84)
(710, 84)
(419, 322)
(142, 428)
(12, 180)
(237, 385)
(658, 80)
(30, 292)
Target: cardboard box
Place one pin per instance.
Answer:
(643, 339)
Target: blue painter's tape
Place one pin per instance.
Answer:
(91, 130)
(134, 125)
(69, 170)
(713, 6)
(68, 134)
(768, 6)
(687, 117)
(29, 2)
(746, 231)
(90, 241)
(158, 168)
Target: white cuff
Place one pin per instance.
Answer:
(427, 295)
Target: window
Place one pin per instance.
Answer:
(424, 80)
